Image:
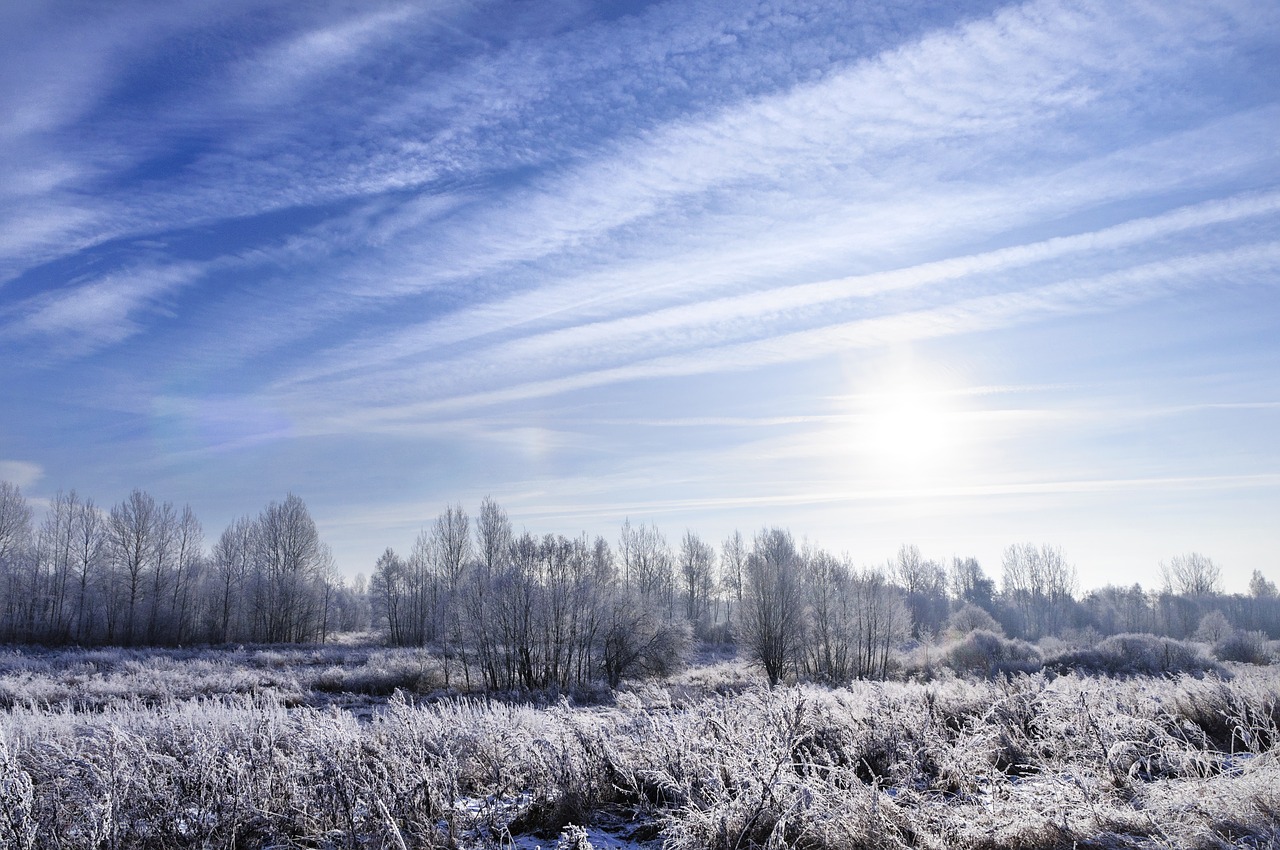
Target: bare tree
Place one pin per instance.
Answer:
(882, 621)
(646, 563)
(189, 561)
(292, 568)
(830, 643)
(969, 583)
(1260, 587)
(450, 552)
(1192, 575)
(132, 537)
(15, 521)
(925, 585)
(17, 560)
(1039, 582)
(90, 532)
(163, 556)
(733, 563)
(387, 589)
(451, 539)
(771, 614)
(493, 538)
(55, 555)
(1115, 610)
(232, 571)
(697, 574)
(422, 592)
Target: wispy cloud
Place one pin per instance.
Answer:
(640, 345)
(875, 496)
(22, 473)
(101, 312)
(717, 319)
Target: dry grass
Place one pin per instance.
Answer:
(1035, 761)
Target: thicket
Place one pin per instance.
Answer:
(1032, 761)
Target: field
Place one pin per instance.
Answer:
(338, 748)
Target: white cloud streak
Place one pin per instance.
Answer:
(638, 343)
(22, 473)
(103, 311)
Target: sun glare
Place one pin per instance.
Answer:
(908, 425)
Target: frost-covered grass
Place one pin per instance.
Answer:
(94, 679)
(707, 760)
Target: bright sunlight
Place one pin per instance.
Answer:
(909, 423)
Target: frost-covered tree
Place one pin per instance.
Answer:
(771, 616)
(733, 564)
(17, 560)
(925, 584)
(228, 589)
(647, 564)
(291, 571)
(133, 537)
(969, 584)
(697, 578)
(1039, 584)
(1260, 587)
(387, 591)
(1194, 575)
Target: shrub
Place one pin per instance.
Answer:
(1034, 761)
(1214, 627)
(971, 618)
(988, 654)
(1242, 646)
(1139, 655)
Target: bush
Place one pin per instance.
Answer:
(1138, 655)
(1242, 646)
(1214, 627)
(971, 618)
(988, 654)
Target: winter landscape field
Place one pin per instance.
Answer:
(348, 747)
(639, 424)
(506, 689)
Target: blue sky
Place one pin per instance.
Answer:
(952, 274)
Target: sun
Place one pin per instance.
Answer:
(908, 424)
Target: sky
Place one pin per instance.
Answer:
(950, 274)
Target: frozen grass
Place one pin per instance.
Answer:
(707, 761)
(95, 679)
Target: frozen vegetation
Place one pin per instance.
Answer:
(495, 689)
(257, 748)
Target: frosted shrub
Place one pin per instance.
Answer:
(1244, 647)
(1139, 655)
(971, 618)
(17, 799)
(988, 654)
(1213, 628)
(383, 673)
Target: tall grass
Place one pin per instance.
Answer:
(1031, 761)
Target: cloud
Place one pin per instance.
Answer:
(701, 503)
(773, 163)
(694, 341)
(101, 312)
(22, 473)
(282, 70)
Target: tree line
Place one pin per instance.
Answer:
(138, 573)
(514, 610)
(510, 610)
